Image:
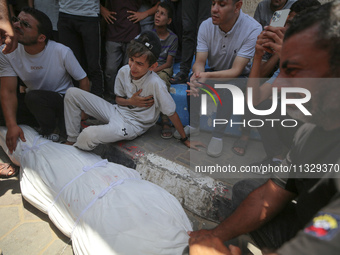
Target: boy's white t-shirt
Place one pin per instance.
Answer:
(150, 84)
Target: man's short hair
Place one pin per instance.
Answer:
(327, 19)
(44, 22)
(168, 8)
(234, 1)
(301, 5)
(147, 44)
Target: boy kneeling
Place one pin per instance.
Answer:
(140, 95)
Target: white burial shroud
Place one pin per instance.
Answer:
(104, 207)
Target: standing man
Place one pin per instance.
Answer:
(311, 224)
(45, 67)
(194, 12)
(227, 40)
(78, 28)
(120, 31)
(266, 9)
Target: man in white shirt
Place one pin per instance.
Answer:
(46, 68)
(227, 40)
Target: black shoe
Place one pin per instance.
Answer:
(179, 78)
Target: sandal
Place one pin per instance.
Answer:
(166, 131)
(8, 170)
(242, 144)
(179, 78)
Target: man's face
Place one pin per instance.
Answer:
(161, 17)
(277, 4)
(139, 66)
(305, 65)
(26, 29)
(222, 12)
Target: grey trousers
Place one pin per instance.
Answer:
(115, 127)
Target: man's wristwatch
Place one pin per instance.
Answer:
(183, 139)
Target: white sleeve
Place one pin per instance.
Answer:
(119, 87)
(163, 99)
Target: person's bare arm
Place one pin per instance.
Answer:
(9, 104)
(267, 67)
(258, 208)
(232, 73)
(260, 93)
(84, 84)
(199, 65)
(138, 16)
(6, 30)
(169, 62)
(179, 127)
(108, 15)
(197, 68)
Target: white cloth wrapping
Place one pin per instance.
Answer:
(106, 209)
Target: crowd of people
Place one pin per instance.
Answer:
(53, 86)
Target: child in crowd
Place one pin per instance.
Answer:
(169, 42)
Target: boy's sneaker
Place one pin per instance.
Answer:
(52, 137)
(189, 131)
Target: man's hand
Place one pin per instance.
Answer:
(259, 48)
(136, 16)
(194, 144)
(195, 83)
(108, 15)
(275, 39)
(210, 245)
(137, 100)
(7, 36)
(12, 136)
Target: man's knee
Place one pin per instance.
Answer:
(71, 93)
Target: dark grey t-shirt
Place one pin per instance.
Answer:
(318, 198)
(263, 13)
(169, 47)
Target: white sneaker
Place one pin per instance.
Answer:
(215, 147)
(189, 131)
(52, 137)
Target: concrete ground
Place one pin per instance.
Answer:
(168, 163)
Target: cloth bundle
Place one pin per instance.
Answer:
(104, 207)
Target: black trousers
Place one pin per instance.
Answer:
(82, 35)
(193, 13)
(40, 108)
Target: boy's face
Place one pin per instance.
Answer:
(161, 17)
(139, 66)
